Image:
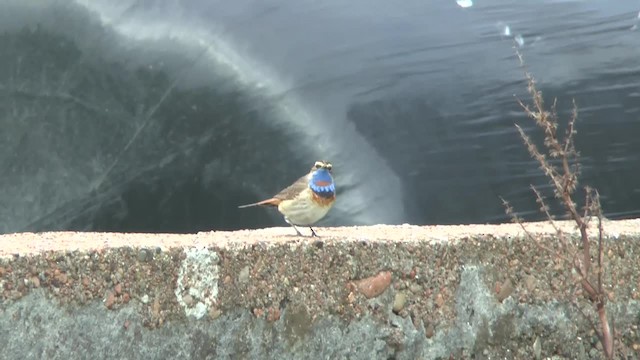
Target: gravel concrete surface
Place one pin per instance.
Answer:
(404, 291)
(34, 243)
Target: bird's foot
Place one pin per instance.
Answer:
(313, 233)
(298, 231)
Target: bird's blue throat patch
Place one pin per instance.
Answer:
(322, 183)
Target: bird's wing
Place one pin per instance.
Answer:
(286, 194)
(293, 190)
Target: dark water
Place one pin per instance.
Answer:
(164, 116)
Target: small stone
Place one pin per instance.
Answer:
(126, 324)
(375, 285)
(62, 278)
(144, 255)
(439, 300)
(351, 298)
(126, 297)
(559, 265)
(530, 283)
(412, 274)
(429, 331)
(15, 295)
(415, 288)
(401, 285)
(227, 280)
(214, 313)
(257, 312)
(118, 289)
(505, 290)
(274, 314)
(399, 302)
(110, 300)
(396, 338)
(155, 308)
(35, 281)
(188, 300)
(145, 299)
(537, 348)
(243, 276)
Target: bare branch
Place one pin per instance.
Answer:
(596, 202)
(514, 218)
(562, 171)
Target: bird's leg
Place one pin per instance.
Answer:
(313, 233)
(298, 231)
(290, 223)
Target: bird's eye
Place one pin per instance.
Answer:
(329, 167)
(318, 165)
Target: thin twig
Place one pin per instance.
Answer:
(563, 176)
(600, 242)
(509, 211)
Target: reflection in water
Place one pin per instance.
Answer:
(156, 116)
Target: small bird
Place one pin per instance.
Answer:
(307, 200)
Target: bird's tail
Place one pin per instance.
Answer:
(268, 202)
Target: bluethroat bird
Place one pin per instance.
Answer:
(307, 200)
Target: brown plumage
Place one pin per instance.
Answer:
(288, 193)
(307, 200)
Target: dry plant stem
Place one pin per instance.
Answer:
(545, 209)
(564, 179)
(565, 182)
(600, 244)
(607, 333)
(587, 203)
(562, 191)
(516, 219)
(589, 320)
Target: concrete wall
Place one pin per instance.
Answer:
(381, 292)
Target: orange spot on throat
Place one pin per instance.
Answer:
(324, 201)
